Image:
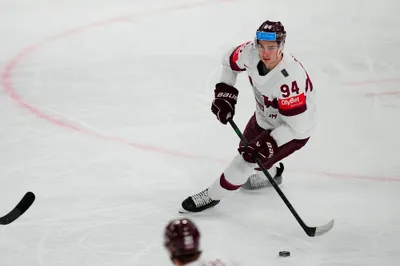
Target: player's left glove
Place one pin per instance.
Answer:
(263, 145)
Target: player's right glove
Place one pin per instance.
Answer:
(223, 105)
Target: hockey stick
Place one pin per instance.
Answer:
(310, 231)
(21, 207)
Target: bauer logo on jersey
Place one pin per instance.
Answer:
(292, 102)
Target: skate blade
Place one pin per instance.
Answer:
(183, 211)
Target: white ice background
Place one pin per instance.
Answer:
(105, 116)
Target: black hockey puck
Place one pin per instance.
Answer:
(284, 253)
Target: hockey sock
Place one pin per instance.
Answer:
(232, 178)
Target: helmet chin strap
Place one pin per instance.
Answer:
(279, 53)
(280, 50)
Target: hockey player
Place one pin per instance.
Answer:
(182, 240)
(284, 118)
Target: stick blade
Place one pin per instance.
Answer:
(324, 228)
(320, 230)
(26, 202)
(21, 207)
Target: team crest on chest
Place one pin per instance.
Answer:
(264, 101)
(269, 103)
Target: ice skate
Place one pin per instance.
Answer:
(198, 202)
(259, 181)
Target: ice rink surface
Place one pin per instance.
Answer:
(105, 116)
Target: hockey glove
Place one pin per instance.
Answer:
(223, 105)
(263, 146)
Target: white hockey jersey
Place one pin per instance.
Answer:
(285, 97)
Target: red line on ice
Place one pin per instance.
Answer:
(6, 80)
(376, 82)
